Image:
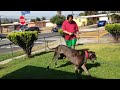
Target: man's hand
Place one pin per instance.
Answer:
(71, 33)
(77, 35)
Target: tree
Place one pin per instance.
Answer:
(43, 18)
(24, 39)
(33, 20)
(58, 19)
(115, 18)
(82, 14)
(38, 19)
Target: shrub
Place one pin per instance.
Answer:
(114, 30)
(61, 33)
(24, 39)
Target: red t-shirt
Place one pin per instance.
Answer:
(70, 27)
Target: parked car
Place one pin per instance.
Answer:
(59, 26)
(33, 29)
(56, 28)
(102, 23)
(2, 36)
(21, 28)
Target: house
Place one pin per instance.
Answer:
(40, 24)
(83, 20)
(48, 23)
(37, 23)
(80, 21)
(44, 23)
(31, 24)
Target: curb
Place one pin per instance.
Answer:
(101, 35)
(11, 59)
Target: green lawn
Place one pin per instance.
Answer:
(4, 56)
(107, 65)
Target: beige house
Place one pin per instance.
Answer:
(80, 21)
(48, 23)
(83, 20)
(31, 24)
(44, 23)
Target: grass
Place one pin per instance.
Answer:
(4, 56)
(107, 65)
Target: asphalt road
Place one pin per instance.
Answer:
(50, 37)
(5, 46)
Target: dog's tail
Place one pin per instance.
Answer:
(55, 54)
(53, 49)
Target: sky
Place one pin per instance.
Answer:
(34, 14)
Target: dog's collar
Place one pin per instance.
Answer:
(86, 54)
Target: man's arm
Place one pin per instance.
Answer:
(67, 32)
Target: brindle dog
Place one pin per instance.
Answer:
(76, 57)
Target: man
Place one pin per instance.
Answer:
(71, 31)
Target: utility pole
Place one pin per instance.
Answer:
(108, 14)
(72, 13)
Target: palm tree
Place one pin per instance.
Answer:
(59, 13)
